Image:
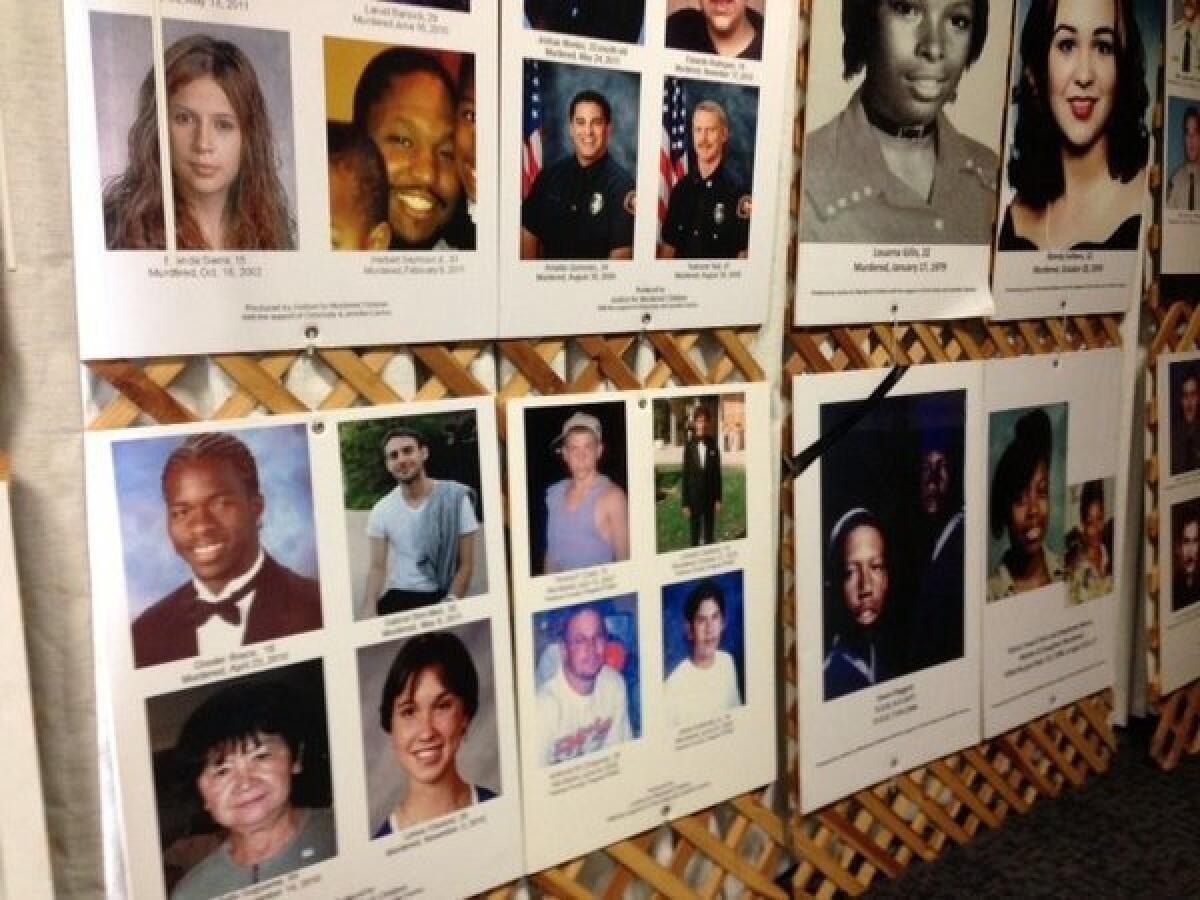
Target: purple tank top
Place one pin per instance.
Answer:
(572, 540)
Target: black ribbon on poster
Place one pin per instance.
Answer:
(822, 445)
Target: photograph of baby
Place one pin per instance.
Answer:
(1027, 465)
(242, 780)
(1089, 540)
(429, 726)
(229, 114)
(401, 142)
(703, 647)
(578, 161)
(893, 516)
(576, 478)
(587, 674)
(218, 540)
(699, 470)
(414, 511)
(709, 132)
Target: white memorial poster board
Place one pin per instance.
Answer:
(1052, 481)
(901, 161)
(1179, 519)
(24, 853)
(302, 631)
(640, 152)
(887, 608)
(644, 585)
(1078, 148)
(1181, 184)
(279, 224)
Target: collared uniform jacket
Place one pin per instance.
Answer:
(851, 197)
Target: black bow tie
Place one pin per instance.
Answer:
(227, 609)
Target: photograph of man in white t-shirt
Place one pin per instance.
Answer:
(705, 681)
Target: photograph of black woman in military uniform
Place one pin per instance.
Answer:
(699, 470)
(579, 162)
(893, 527)
(902, 147)
(705, 207)
(607, 20)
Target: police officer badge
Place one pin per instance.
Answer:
(597, 204)
(719, 213)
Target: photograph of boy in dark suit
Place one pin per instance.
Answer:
(702, 478)
(238, 593)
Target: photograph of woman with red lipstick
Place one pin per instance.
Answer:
(892, 166)
(1081, 141)
(434, 751)
(225, 160)
(1026, 508)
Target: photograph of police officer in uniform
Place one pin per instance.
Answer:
(608, 20)
(581, 202)
(711, 128)
(910, 155)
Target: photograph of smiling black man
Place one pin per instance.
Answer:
(218, 540)
(417, 106)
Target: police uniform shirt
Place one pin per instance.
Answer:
(708, 218)
(580, 213)
(612, 20)
(687, 30)
(1183, 190)
(850, 195)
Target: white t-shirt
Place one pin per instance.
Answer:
(398, 523)
(694, 693)
(574, 724)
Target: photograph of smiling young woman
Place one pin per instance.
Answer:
(890, 167)
(1080, 142)
(226, 187)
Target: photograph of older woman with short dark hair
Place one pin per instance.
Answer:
(1026, 499)
(242, 778)
(891, 167)
(1080, 139)
(226, 177)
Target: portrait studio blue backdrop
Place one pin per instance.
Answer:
(621, 624)
(560, 82)
(741, 109)
(152, 568)
(1000, 434)
(676, 647)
